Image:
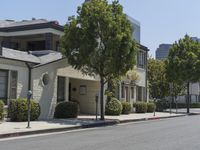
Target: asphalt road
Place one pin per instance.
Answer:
(170, 134)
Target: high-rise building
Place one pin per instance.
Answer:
(163, 51)
(136, 28)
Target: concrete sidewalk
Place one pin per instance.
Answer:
(193, 111)
(11, 129)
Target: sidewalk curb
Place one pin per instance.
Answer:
(99, 124)
(43, 131)
(151, 118)
(193, 114)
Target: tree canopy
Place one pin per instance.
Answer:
(98, 41)
(184, 63)
(158, 85)
(184, 60)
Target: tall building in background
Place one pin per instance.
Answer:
(163, 51)
(136, 28)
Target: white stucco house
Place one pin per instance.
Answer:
(30, 60)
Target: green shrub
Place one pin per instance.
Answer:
(161, 105)
(113, 107)
(195, 105)
(150, 107)
(126, 108)
(18, 110)
(140, 107)
(184, 105)
(66, 110)
(1, 110)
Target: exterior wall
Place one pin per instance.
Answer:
(46, 95)
(87, 101)
(22, 81)
(142, 77)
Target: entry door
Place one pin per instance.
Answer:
(3, 84)
(61, 89)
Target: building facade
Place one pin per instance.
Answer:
(129, 90)
(30, 60)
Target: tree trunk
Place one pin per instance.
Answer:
(102, 98)
(188, 98)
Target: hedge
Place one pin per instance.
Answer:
(113, 107)
(66, 110)
(18, 110)
(126, 108)
(161, 105)
(140, 107)
(150, 107)
(1, 110)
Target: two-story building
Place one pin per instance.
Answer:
(30, 60)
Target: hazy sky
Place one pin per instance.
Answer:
(162, 21)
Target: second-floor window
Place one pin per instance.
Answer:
(141, 59)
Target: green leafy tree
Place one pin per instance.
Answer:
(98, 41)
(158, 85)
(184, 62)
(177, 87)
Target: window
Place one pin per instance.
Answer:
(3, 84)
(36, 45)
(13, 84)
(15, 45)
(141, 60)
(57, 46)
(141, 93)
(61, 89)
(132, 92)
(45, 79)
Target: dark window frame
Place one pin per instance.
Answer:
(58, 90)
(141, 59)
(7, 79)
(132, 92)
(13, 88)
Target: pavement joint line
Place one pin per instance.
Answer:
(81, 127)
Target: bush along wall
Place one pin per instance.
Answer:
(113, 107)
(161, 105)
(1, 110)
(17, 110)
(66, 110)
(151, 107)
(140, 107)
(126, 108)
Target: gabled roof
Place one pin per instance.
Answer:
(36, 57)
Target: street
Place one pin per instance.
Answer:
(182, 133)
